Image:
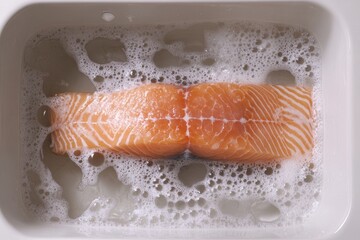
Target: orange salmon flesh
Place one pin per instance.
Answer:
(221, 121)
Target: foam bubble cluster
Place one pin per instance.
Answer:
(99, 187)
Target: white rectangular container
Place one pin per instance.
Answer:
(334, 24)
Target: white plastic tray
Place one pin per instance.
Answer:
(336, 24)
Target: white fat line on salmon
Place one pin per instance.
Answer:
(186, 114)
(212, 119)
(186, 118)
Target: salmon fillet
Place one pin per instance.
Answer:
(213, 120)
(249, 122)
(145, 121)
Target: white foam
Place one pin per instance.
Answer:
(243, 53)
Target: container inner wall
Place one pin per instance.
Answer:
(323, 24)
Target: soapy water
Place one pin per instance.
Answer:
(97, 187)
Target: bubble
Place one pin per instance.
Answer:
(201, 188)
(107, 16)
(171, 204)
(149, 163)
(43, 115)
(308, 178)
(136, 192)
(192, 173)
(269, 171)
(201, 202)
(180, 205)
(96, 159)
(280, 192)
(300, 60)
(297, 34)
(163, 58)
(191, 203)
(159, 187)
(265, 211)
(193, 213)
(233, 207)
(281, 77)
(249, 171)
(77, 153)
(208, 61)
(54, 219)
(161, 201)
(98, 79)
(213, 213)
(103, 50)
